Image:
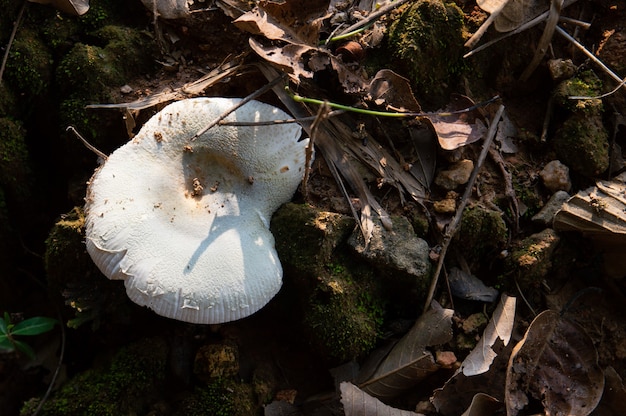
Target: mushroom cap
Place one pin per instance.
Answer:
(185, 223)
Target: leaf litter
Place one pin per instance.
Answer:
(286, 36)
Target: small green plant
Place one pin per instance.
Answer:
(32, 326)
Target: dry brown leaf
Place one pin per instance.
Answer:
(358, 403)
(288, 58)
(409, 361)
(517, 12)
(483, 405)
(499, 327)
(456, 130)
(393, 91)
(459, 391)
(614, 397)
(296, 21)
(555, 362)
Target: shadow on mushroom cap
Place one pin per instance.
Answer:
(186, 223)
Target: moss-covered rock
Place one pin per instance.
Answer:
(15, 172)
(87, 72)
(427, 41)
(581, 141)
(585, 84)
(129, 384)
(29, 67)
(341, 301)
(74, 279)
(582, 144)
(221, 397)
(482, 231)
(531, 260)
(345, 311)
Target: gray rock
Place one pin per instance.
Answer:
(398, 251)
(554, 204)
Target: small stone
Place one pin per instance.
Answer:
(545, 217)
(561, 69)
(446, 359)
(555, 177)
(126, 89)
(458, 174)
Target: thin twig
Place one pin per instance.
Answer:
(86, 143)
(322, 114)
(245, 100)
(531, 23)
(5, 58)
(486, 24)
(456, 220)
(273, 122)
(369, 19)
(546, 38)
(590, 55)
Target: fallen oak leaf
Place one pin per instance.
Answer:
(499, 327)
(483, 405)
(555, 362)
(459, 128)
(358, 403)
(409, 361)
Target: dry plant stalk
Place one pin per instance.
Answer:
(456, 220)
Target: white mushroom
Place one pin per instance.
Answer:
(183, 223)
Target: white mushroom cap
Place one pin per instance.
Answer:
(185, 223)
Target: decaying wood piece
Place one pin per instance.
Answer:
(598, 212)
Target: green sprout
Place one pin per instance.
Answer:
(32, 326)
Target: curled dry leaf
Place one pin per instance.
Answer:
(500, 326)
(409, 361)
(483, 405)
(512, 13)
(358, 403)
(392, 90)
(483, 370)
(456, 130)
(614, 397)
(555, 362)
(296, 21)
(74, 7)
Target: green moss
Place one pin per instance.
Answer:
(345, 312)
(305, 237)
(74, 279)
(482, 231)
(221, 397)
(531, 261)
(29, 67)
(585, 84)
(427, 40)
(341, 299)
(129, 384)
(582, 144)
(14, 161)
